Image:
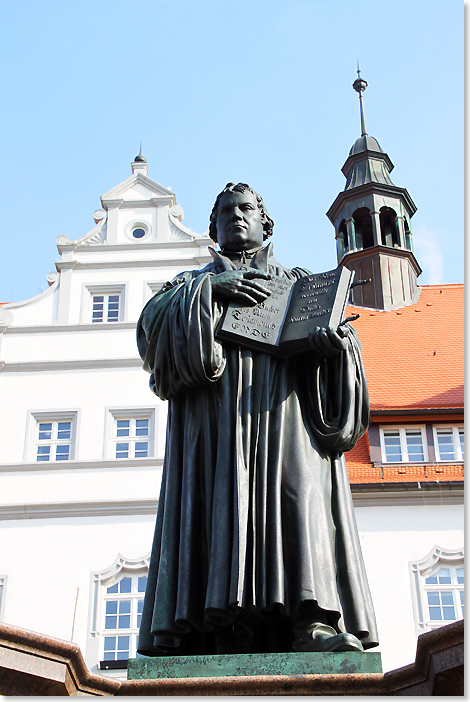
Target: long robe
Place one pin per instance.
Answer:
(255, 510)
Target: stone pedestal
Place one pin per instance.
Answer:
(253, 664)
(257, 674)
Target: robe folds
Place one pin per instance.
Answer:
(255, 510)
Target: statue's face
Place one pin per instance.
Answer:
(239, 226)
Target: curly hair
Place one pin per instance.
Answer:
(266, 220)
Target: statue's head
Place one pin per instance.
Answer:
(230, 195)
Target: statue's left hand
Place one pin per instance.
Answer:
(326, 342)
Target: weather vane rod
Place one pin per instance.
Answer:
(359, 86)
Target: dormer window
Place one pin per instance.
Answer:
(403, 444)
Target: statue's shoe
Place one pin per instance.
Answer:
(340, 642)
(322, 639)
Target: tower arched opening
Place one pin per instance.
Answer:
(342, 240)
(363, 228)
(389, 227)
(408, 241)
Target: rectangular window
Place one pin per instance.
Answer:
(449, 443)
(130, 433)
(441, 606)
(403, 444)
(445, 594)
(54, 439)
(103, 304)
(124, 601)
(106, 307)
(116, 648)
(132, 437)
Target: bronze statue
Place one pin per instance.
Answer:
(256, 545)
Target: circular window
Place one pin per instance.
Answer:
(138, 233)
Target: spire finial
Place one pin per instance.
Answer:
(139, 164)
(359, 86)
(139, 157)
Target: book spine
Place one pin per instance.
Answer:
(341, 298)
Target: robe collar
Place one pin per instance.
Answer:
(232, 261)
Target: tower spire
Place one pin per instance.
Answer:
(359, 86)
(371, 217)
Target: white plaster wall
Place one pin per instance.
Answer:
(93, 483)
(37, 310)
(145, 214)
(89, 392)
(391, 537)
(46, 560)
(111, 342)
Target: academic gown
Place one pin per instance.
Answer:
(255, 509)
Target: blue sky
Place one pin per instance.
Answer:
(224, 90)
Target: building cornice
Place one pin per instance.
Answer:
(405, 494)
(93, 248)
(98, 508)
(79, 364)
(109, 464)
(110, 203)
(385, 251)
(48, 328)
(415, 411)
(408, 494)
(129, 263)
(370, 189)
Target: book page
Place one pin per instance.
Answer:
(311, 305)
(261, 323)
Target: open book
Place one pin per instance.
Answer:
(281, 324)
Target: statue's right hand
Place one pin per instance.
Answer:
(242, 286)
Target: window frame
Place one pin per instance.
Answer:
(454, 586)
(132, 631)
(456, 429)
(87, 306)
(402, 429)
(100, 581)
(115, 414)
(137, 224)
(35, 418)
(419, 571)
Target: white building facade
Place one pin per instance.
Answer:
(82, 445)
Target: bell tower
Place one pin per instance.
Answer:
(371, 217)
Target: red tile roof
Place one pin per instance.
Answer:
(414, 360)
(414, 355)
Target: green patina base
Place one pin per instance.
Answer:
(253, 664)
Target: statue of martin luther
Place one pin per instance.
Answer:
(256, 546)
